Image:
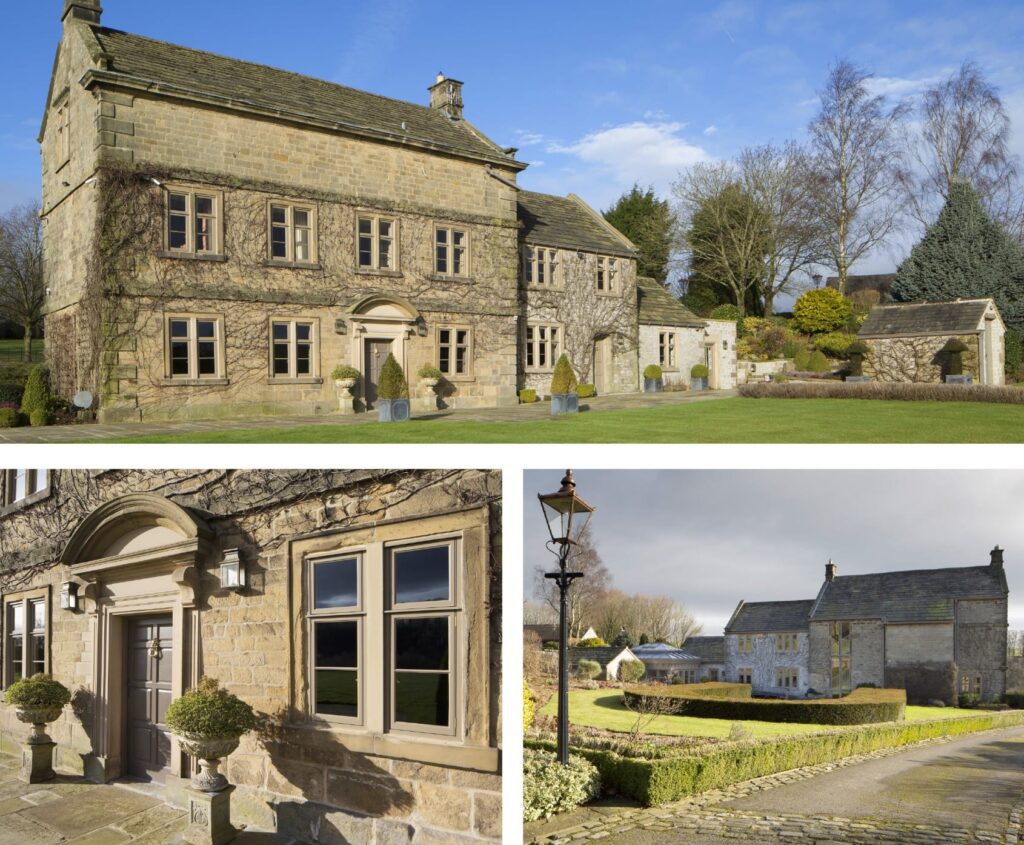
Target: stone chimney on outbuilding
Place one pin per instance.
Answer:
(446, 96)
(831, 570)
(88, 11)
(997, 558)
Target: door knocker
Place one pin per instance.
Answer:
(155, 651)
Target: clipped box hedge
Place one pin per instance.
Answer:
(707, 701)
(674, 776)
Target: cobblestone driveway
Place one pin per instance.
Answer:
(955, 791)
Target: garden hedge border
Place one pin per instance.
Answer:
(904, 391)
(862, 706)
(660, 780)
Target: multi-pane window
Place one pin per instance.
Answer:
(787, 678)
(542, 346)
(745, 675)
(291, 233)
(453, 351)
(970, 684)
(539, 265)
(745, 643)
(422, 636)
(192, 222)
(451, 252)
(607, 271)
(19, 484)
(786, 642)
(24, 638)
(376, 243)
(292, 348)
(336, 634)
(194, 347)
(839, 635)
(667, 350)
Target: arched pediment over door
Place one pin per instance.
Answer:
(381, 324)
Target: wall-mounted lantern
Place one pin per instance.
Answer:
(421, 327)
(232, 571)
(341, 326)
(69, 596)
(725, 344)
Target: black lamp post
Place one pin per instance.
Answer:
(567, 516)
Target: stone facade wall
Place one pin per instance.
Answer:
(689, 351)
(765, 660)
(585, 316)
(981, 643)
(294, 775)
(918, 643)
(867, 650)
(723, 336)
(915, 359)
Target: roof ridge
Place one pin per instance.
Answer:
(983, 566)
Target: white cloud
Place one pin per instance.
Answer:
(525, 138)
(895, 86)
(711, 130)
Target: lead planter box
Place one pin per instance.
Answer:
(698, 383)
(565, 403)
(393, 410)
(653, 385)
(964, 379)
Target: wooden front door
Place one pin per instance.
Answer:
(376, 353)
(148, 670)
(602, 364)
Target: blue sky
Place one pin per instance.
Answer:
(596, 94)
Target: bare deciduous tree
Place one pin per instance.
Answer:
(22, 292)
(660, 617)
(648, 709)
(962, 132)
(856, 154)
(586, 592)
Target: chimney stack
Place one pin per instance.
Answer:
(88, 11)
(997, 558)
(831, 570)
(446, 96)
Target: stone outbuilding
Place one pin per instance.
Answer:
(766, 646)
(667, 663)
(357, 612)
(906, 341)
(610, 658)
(711, 651)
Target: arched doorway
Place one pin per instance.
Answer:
(381, 324)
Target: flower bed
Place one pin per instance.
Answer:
(860, 707)
(886, 390)
(667, 778)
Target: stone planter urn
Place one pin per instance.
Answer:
(37, 756)
(344, 384)
(345, 380)
(430, 383)
(209, 752)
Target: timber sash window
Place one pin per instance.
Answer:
(376, 243)
(19, 484)
(292, 349)
(194, 348)
(292, 233)
(745, 644)
(451, 252)
(840, 647)
(193, 222)
(787, 678)
(542, 346)
(607, 270)
(539, 265)
(336, 621)
(786, 642)
(970, 684)
(667, 350)
(25, 636)
(454, 346)
(744, 675)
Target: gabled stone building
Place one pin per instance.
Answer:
(220, 235)
(766, 646)
(358, 612)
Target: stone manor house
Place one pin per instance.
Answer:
(358, 612)
(220, 235)
(938, 633)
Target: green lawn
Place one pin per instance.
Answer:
(603, 708)
(11, 351)
(721, 421)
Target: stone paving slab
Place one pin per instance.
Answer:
(89, 811)
(516, 413)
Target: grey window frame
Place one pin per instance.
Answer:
(191, 215)
(533, 345)
(454, 347)
(291, 230)
(293, 348)
(541, 258)
(376, 239)
(193, 340)
(450, 248)
(26, 599)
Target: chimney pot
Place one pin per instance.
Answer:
(997, 557)
(830, 570)
(88, 11)
(446, 96)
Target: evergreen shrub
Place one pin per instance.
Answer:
(550, 788)
(392, 384)
(652, 372)
(821, 310)
(209, 711)
(818, 363)
(37, 390)
(563, 380)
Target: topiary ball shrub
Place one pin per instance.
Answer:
(652, 372)
(209, 711)
(392, 383)
(818, 363)
(589, 669)
(699, 371)
(527, 397)
(564, 378)
(586, 391)
(550, 788)
(38, 692)
(821, 310)
(37, 390)
(343, 372)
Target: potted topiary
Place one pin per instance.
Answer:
(858, 349)
(392, 392)
(564, 399)
(954, 351)
(208, 722)
(653, 379)
(699, 377)
(37, 701)
(345, 377)
(430, 376)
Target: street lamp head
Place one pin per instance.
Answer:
(565, 513)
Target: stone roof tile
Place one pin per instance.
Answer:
(767, 616)
(657, 307)
(548, 220)
(925, 318)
